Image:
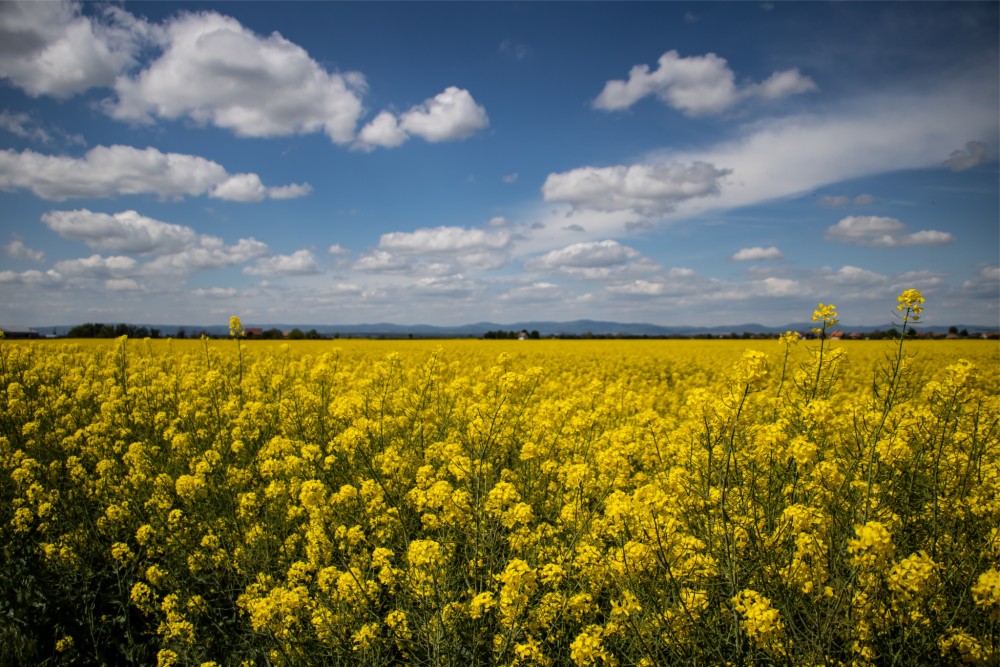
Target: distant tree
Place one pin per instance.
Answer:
(534, 335)
(296, 334)
(272, 334)
(953, 330)
(181, 333)
(312, 334)
(964, 333)
(154, 333)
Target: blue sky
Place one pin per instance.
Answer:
(447, 163)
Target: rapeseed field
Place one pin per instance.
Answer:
(233, 502)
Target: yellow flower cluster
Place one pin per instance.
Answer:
(496, 503)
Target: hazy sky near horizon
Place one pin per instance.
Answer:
(446, 163)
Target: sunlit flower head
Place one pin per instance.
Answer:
(827, 314)
(236, 327)
(910, 304)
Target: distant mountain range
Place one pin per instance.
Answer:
(544, 328)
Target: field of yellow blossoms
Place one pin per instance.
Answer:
(469, 502)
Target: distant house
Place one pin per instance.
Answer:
(522, 334)
(254, 332)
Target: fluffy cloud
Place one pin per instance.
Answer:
(215, 292)
(772, 286)
(852, 275)
(383, 131)
(696, 85)
(973, 155)
(450, 115)
(209, 253)
(380, 260)
(292, 191)
(215, 71)
(883, 232)
(591, 260)
(211, 69)
(986, 283)
(17, 250)
(435, 240)
(757, 253)
(453, 286)
(105, 171)
(177, 248)
(121, 232)
(589, 255)
(677, 281)
(50, 48)
(31, 277)
(647, 189)
(96, 266)
(441, 249)
(122, 285)
(299, 263)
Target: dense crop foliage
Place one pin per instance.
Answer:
(500, 502)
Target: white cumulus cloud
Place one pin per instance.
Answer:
(31, 277)
(883, 232)
(593, 260)
(51, 48)
(299, 263)
(757, 253)
(215, 292)
(850, 275)
(382, 131)
(434, 240)
(381, 260)
(216, 71)
(17, 250)
(987, 282)
(648, 189)
(209, 253)
(772, 286)
(105, 171)
(696, 85)
(122, 285)
(445, 249)
(121, 232)
(176, 248)
(450, 115)
(96, 266)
